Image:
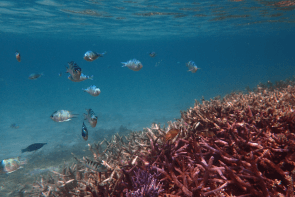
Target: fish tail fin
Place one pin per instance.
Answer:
(124, 64)
(104, 53)
(91, 77)
(85, 116)
(193, 69)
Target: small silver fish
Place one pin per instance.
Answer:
(35, 76)
(10, 165)
(91, 117)
(62, 116)
(84, 132)
(134, 65)
(91, 56)
(152, 54)
(74, 70)
(82, 78)
(92, 90)
(17, 56)
(192, 67)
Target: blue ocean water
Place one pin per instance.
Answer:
(235, 43)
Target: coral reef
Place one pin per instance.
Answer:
(144, 184)
(240, 145)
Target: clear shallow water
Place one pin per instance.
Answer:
(143, 19)
(236, 44)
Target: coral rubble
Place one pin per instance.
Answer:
(240, 145)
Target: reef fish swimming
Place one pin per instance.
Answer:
(84, 132)
(14, 126)
(134, 65)
(82, 78)
(92, 90)
(93, 165)
(171, 134)
(17, 56)
(192, 67)
(91, 56)
(62, 116)
(34, 76)
(91, 117)
(152, 54)
(11, 165)
(74, 70)
(33, 147)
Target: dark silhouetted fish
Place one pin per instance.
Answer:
(84, 132)
(33, 147)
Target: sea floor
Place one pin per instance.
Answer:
(63, 139)
(38, 165)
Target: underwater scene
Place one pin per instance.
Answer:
(103, 98)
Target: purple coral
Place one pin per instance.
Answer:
(144, 184)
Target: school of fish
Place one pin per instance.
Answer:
(75, 75)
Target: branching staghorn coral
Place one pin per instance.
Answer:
(144, 183)
(241, 145)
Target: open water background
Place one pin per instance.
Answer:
(236, 44)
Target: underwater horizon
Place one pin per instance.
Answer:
(236, 44)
